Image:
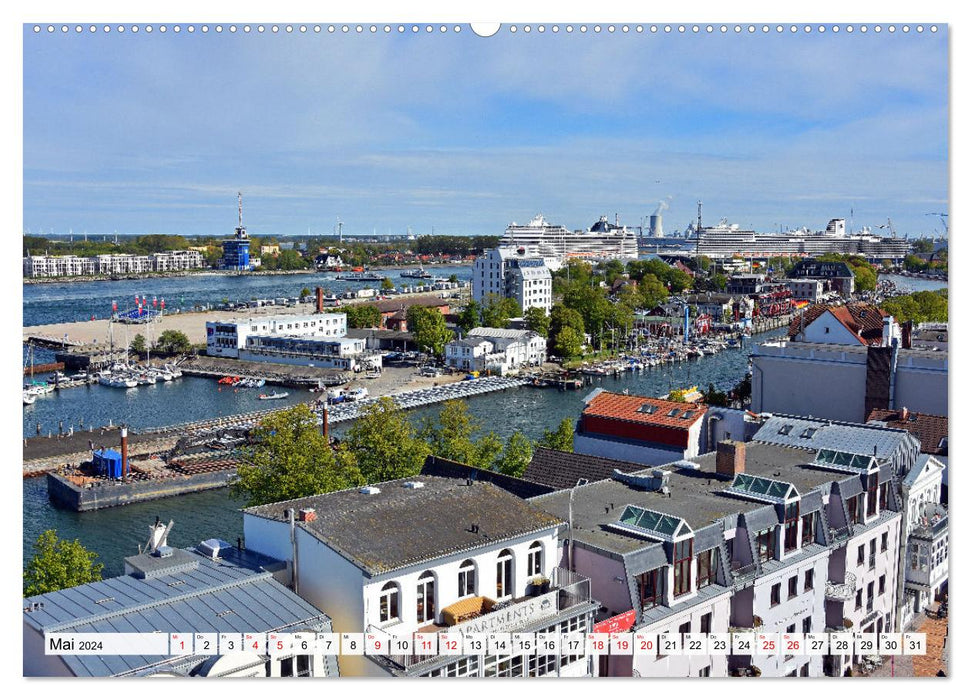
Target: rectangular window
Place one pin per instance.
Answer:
(705, 672)
(705, 624)
(706, 568)
(884, 494)
(776, 595)
(685, 628)
(793, 587)
(871, 494)
(873, 553)
(883, 585)
(804, 670)
(869, 597)
(766, 544)
(807, 625)
(808, 529)
(682, 567)
(791, 534)
(649, 589)
(884, 538)
(853, 510)
(303, 665)
(807, 584)
(859, 599)
(861, 555)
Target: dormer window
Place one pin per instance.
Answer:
(871, 494)
(791, 529)
(765, 544)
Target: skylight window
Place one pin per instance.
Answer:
(647, 408)
(653, 524)
(687, 414)
(786, 429)
(673, 412)
(762, 488)
(845, 461)
(809, 432)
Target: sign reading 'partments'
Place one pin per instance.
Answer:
(510, 616)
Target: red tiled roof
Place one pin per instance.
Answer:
(627, 408)
(927, 428)
(863, 320)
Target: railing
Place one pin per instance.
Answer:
(742, 573)
(841, 590)
(839, 534)
(571, 588)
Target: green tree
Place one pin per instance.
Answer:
(384, 443)
(563, 317)
(924, 245)
(537, 320)
(428, 327)
(679, 280)
(450, 434)
(498, 310)
(559, 439)
(719, 282)
(515, 456)
(138, 345)
(305, 292)
(453, 278)
(386, 284)
(568, 343)
(363, 316)
(652, 290)
(291, 459)
(471, 316)
(173, 342)
(58, 564)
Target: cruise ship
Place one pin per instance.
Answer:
(603, 240)
(725, 240)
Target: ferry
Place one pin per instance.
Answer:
(419, 274)
(359, 277)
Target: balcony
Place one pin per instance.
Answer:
(743, 573)
(841, 590)
(839, 534)
(566, 590)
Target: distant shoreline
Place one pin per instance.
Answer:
(198, 273)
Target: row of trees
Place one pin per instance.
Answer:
(170, 342)
(919, 307)
(135, 245)
(290, 458)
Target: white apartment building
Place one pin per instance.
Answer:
(749, 538)
(806, 289)
(925, 561)
(429, 555)
(176, 260)
(111, 264)
(470, 354)
(338, 353)
(500, 350)
(226, 338)
(123, 264)
(517, 273)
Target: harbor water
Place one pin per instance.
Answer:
(115, 533)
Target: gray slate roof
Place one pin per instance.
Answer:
(401, 526)
(855, 438)
(562, 470)
(232, 594)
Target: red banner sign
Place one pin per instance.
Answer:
(617, 623)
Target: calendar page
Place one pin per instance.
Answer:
(406, 346)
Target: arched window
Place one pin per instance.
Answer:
(388, 605)
(504, 573)
(534, 559)
(467, 578)
(426, 597)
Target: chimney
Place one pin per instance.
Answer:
(124, 453)
(904, 413)
(905, 334)
(320, 300)
(308, 515)
(730, 458)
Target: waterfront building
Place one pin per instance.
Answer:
(236, 253)
(722, 308)
(212, 589)
(516, 273)
(846, 382)
(806, 289)
(111, 264)
(338, 353)
(430, 555)
(640, 429)
(752, 537)
(226, 338)
(500, 350)
(836, 276)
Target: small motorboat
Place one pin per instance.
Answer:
(29, 398)
(274, 395)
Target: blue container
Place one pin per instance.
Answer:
(108, 463)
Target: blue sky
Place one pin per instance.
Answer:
(156, 133)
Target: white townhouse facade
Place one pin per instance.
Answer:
(748, 538)
(176, 260)
(925, 561)
(430, 554)
(227, 338)
(58, 266)
(111, 264)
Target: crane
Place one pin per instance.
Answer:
(943, 218)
